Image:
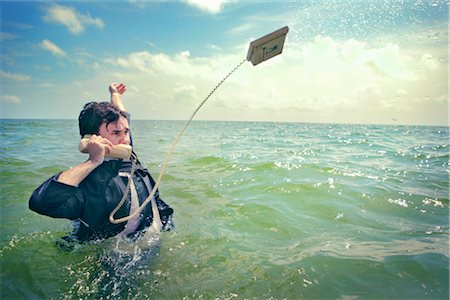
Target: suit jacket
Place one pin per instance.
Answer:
(90, 204)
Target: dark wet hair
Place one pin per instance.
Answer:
(94, 114)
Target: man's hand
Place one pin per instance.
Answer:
(98, 147)
(117, 88)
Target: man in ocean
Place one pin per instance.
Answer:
(88, 192)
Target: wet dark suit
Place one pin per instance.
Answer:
(90, 204)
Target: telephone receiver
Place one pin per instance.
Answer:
(117, 151)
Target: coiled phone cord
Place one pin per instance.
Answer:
(133, 159)
(163, 167)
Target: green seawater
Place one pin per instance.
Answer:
(262, 211)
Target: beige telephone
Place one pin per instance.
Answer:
(117, 151)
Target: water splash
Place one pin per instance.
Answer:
(114, 270)
(345, 19)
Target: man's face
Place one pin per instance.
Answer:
(116, 132)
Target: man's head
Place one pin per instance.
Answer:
(102, 118)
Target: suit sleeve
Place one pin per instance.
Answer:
(57, 200)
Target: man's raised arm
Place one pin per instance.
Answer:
(116, 91)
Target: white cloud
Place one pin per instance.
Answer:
(5, 36)
(14, 76)
(46, 85)
(213, 47)
(138, 3)
(20, 26)
(429, 62)
(323, 80)
(240, 29)
(52, 48)
(392, 62)
(210, 6)
(75, 22)
(11, 99)
(185, 54)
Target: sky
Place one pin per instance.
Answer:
(346, 61)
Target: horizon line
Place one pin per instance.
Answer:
(243, 121)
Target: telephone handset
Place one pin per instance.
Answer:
(117, 151)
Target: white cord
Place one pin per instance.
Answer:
(169, 154)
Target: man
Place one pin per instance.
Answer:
(88, 192)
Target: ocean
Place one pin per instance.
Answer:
(262, 211)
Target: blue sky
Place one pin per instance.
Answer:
(376, 62)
